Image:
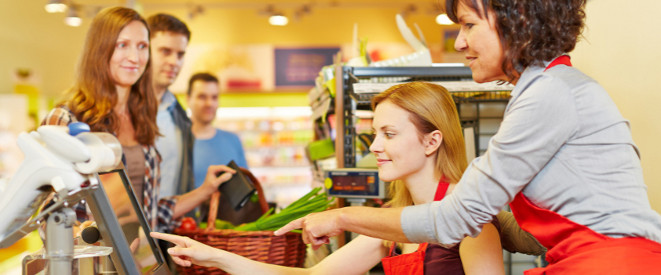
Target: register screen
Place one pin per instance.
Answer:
(129, 215)
(347, 183)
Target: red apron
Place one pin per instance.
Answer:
(576, 249)
(411, 263)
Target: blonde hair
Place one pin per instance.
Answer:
(430, 108)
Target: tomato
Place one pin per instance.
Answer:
(188, 224)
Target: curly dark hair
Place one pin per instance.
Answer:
(531, 31)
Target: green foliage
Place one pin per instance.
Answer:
(314, 201)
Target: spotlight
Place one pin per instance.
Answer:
(72, 18)
(443, 19)
(55, 6)
(278, 20)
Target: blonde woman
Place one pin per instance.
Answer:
(419, 146)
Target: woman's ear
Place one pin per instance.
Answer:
(432, 141)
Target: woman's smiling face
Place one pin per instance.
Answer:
(131, 54)
(397, 145)
(478, 39)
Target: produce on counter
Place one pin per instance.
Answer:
(188, 224)
(219, 224)
(314, 201)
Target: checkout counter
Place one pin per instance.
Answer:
(64, 167)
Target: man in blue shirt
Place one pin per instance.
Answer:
(212, 146)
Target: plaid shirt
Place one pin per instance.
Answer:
(157, 211)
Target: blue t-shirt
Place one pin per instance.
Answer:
(220, 149)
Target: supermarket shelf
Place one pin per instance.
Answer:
(275, 146)
(358, 85)
(281, 166)
(461, 91)
(457, 73)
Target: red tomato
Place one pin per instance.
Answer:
(188, 224)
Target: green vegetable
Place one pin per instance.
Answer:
(223, 224)
(312, 202)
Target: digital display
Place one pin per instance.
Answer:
(135, 228)
(354, 183)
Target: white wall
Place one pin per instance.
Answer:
(622, 51)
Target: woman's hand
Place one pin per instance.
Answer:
(317, 227)
(188, 251)
(381, 223)
(216, 175)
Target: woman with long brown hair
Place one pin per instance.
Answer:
(112, 93)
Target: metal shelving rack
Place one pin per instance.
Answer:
(348, 100)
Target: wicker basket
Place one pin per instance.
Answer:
(262, 246)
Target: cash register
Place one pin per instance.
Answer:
(64, 166)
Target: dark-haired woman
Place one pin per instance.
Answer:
(112, 93)
(563, 158)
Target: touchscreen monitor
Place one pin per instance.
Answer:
(133, 238)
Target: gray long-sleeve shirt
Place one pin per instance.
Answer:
(564, 143)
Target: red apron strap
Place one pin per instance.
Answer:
(391, 251)
(560, 60)
(441, 189)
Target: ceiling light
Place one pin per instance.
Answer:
(55, 6)
(72, 18)
(278, 20)
(443, 19)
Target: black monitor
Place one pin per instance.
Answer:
(123, 226)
